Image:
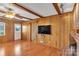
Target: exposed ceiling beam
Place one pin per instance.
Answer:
(57, 8)
(26, 9)
(17, 15)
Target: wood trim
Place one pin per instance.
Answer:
(26, 9)
(57, 8)
(21, 30)
(74, 7)
(19, 16)
(30, 31)
(13, 32)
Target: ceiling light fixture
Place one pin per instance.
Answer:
(10, 14)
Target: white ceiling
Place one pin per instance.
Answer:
(67, 7)
(43, 9)
(24, 13)
(18, 11)
(2, 7)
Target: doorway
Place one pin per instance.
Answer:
(17, 31)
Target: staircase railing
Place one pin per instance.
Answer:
(71, 50)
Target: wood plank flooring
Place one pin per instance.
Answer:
(26, 48)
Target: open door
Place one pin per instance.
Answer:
(17, 32)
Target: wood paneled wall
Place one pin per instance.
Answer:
(9, 30)
(60, 30)
(66, 29)
(76, 17)
(26, 31)
(75, 24)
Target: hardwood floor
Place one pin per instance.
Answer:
(25, 48)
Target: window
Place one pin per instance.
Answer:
(2, 28)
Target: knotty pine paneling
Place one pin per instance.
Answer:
(60, 30)
(9, 30)
(26, 32)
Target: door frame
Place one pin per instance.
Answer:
(14, 31)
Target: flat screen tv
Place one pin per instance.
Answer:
(44, 29)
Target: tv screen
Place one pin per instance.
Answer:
(46, 29)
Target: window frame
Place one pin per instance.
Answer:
(3, 24)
